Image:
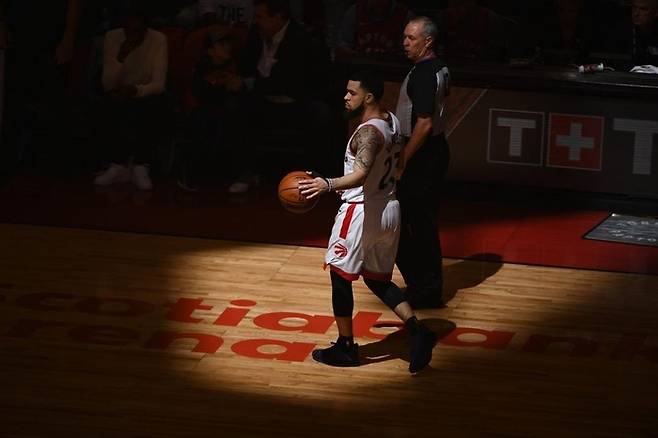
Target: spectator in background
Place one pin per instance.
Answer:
(285, 70)
(637, 38)
(134, 108)
(563, 31)
(469, 30)
(372, 27)
(310, 13)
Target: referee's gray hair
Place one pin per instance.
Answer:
(428, 27)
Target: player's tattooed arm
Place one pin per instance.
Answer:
(366, 144)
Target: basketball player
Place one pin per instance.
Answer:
(365, 235)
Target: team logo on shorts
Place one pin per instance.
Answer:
(340, 250)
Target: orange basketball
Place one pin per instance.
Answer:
(289, 195)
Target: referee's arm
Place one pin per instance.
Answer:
(420, 133)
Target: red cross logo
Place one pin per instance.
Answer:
(575, 141)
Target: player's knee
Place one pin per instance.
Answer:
(386, 291)
(342, 297)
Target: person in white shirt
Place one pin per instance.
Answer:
(134, 77)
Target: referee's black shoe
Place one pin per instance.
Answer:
(340, 354)
(422, 343)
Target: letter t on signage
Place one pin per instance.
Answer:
(644, 131)
(516, 132)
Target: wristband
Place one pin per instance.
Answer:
(330, 184)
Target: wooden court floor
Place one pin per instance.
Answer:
(123, 335)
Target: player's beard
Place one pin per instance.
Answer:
(356, 112)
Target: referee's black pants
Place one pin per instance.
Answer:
(419, 257)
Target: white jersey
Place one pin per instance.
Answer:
(366, 232)
(380, 183)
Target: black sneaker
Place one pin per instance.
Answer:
(338, 355)
(422, 344)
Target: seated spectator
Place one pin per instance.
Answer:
(216, 73)
(285, 72)
(372, 27)
(134, 108)
(563, 31)
(469, 30)
(638, 37)
(216, 87)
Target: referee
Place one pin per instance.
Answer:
(423, 164)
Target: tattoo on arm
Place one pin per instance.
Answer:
(367, 142)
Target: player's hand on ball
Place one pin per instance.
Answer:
(311, 188)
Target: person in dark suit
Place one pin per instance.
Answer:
(634, 37)
(279, 54)
(284, 69)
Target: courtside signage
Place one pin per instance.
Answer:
(573, 141)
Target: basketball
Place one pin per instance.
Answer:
(289, 195)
